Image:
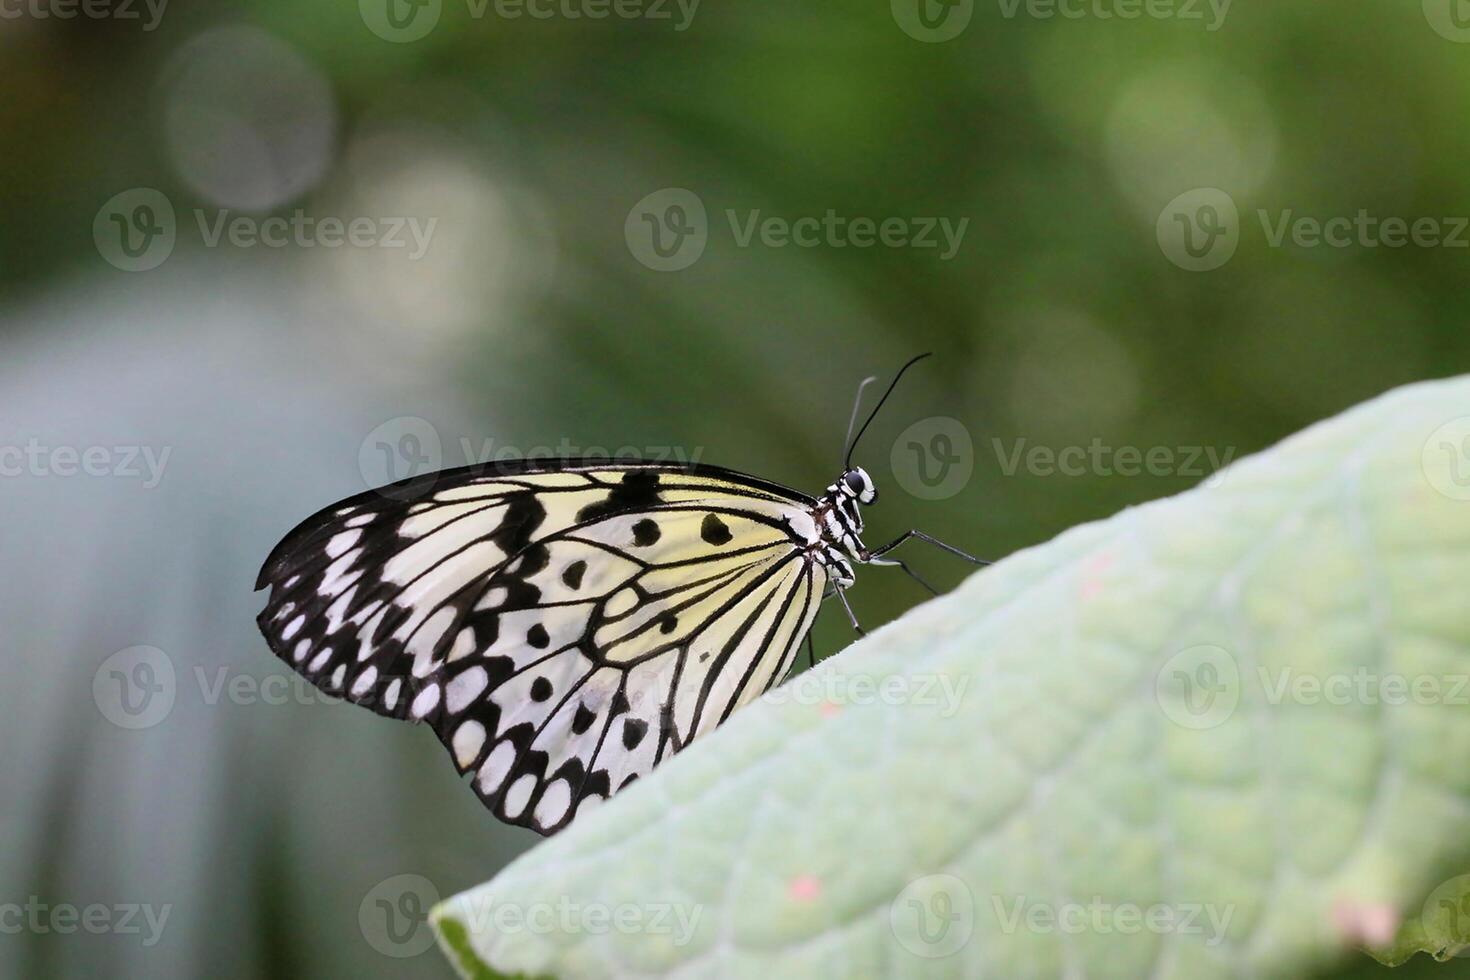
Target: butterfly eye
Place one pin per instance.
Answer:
(858, 484)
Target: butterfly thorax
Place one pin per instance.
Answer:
(838, 518)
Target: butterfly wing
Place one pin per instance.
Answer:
(563, 627)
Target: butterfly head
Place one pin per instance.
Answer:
(857, 484)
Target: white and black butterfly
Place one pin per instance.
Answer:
(565, 625)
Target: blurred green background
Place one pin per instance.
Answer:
(540, 156)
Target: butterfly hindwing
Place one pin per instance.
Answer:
(562, 627)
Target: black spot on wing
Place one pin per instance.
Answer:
(638, 490)
(573, 573)
(646, 532)
(633, 731)
(714, 531)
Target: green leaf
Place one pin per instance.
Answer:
(1440, 928)
(1221, 734)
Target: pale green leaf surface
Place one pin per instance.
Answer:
(1129, 723)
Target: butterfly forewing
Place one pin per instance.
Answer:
(563, 627)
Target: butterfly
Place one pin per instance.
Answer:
(566, 625)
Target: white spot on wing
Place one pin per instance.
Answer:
(468, 738)
(364, 682)
(497, 767)
(425, 702)
(519, 795)
(465, 688)
(341, 541)
(464, 644)
(554, 803)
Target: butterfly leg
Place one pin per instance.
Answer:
(811, 650)
(880, 552)
(906, 570)
(842, 595)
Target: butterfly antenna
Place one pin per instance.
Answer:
(847, 457)
(857, 403)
